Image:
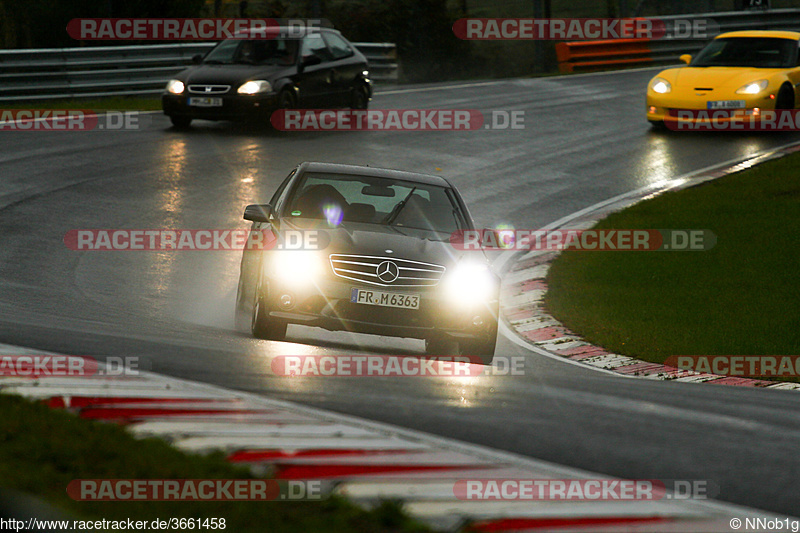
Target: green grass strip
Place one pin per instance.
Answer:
(742, 297)
(42, 450)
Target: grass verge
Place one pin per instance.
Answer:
(741, 297)
(42, 450)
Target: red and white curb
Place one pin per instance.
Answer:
(524, 288)
(363, 460)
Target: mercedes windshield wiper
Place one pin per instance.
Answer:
(399, 207)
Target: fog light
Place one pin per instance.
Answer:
(286, 301)
(652, 110)
(477, 321)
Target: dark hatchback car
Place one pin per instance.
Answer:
(248, 79)
(388, 266)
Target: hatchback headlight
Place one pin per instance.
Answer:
(255, 87)
(469, 283)
(754, 87)
(660, 86)
(175, 87)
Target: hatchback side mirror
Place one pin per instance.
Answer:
(258, 212)
(310, 61)
(686, 58)
(197, 59)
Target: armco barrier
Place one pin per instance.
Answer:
(125, 70)
(602, 55)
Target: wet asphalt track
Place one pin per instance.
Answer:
(585, 140)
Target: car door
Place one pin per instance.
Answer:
(314, 79)
(345, 68)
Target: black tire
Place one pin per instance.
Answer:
(482, 350)
(359, 97)
(658, 125)
(180, 122)
(478, 352)
(785, 98)
(241, 319)
(263, 326)
(286, 99)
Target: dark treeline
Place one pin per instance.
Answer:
(422, 29)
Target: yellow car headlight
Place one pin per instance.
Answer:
(470, 283)
(754, 87)
(296, 267)
(175, 87)
(660, 85)
(255, 87)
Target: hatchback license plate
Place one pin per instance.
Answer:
(384, 299)
(205, 102)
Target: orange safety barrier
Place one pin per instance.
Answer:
(597, 55)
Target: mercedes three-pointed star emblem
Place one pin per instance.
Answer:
(387, 272)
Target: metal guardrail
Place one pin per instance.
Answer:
(599, 55)
(101, 71)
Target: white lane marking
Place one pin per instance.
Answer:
(235, 442)
(526, 297)
(515, 338)
(439, 88)
(511, 80)
(216, 429)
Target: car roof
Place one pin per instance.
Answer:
(762, 33)
(357, 170)
(286, 30)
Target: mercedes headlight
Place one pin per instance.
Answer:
(753, 87)
(175, 87)
(296, 267)
(469, 283)
(255, 87)
(660, 86)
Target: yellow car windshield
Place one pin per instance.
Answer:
(758, 52)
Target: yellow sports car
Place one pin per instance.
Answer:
(748, 71)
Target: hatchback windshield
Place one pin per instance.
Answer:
(340, 198)
(254, 52)
(760, 52)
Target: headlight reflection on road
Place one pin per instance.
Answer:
(470, 392)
